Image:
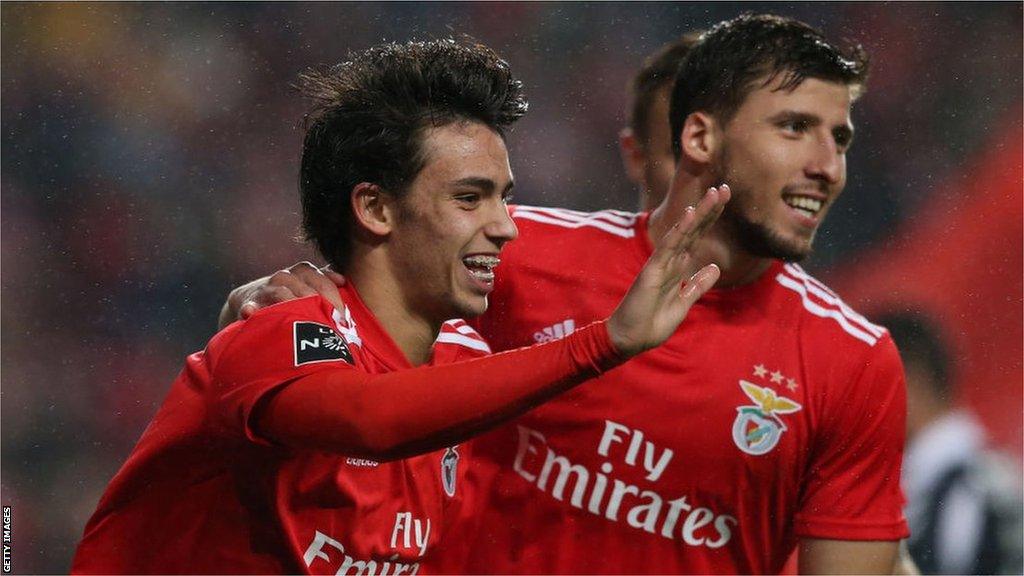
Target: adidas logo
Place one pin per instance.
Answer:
(555, 332)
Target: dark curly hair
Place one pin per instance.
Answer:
(368, 119)
(750, 51)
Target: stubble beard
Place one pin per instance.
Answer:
(752, 237)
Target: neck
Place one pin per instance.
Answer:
(717, 246)
(413, 333)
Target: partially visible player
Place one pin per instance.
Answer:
(303, 440)
(773, 420)
(963, 497)
(646, 142)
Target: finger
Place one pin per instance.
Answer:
(317, 280)
(694, 221)
(710, 207)
(333, 276)
(303, 268)
(291, 282)
(699, 284)
(707, 212)
(671, 243)
(247, 310)
(314, 277)
(272, 294)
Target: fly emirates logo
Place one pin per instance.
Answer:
(599, 493)
(409, 534)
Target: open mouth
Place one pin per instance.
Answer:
(481, 267)
(805, 205)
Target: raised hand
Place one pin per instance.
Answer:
(296, 281)
(658, 300)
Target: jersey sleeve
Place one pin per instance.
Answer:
(273, 348)
(406, 412)
(853, 490)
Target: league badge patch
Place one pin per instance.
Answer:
(757, 429)
(449, 470)
(318, 343)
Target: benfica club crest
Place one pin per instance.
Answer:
(449, 470)
(757, 429)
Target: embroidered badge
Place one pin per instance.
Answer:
(318, 343)
(757, 429)
(449, 470)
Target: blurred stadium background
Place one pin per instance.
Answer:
(149, 162)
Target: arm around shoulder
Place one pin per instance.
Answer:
(406, 412)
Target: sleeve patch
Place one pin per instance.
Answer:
(316, 342)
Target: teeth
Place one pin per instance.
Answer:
(486, 262)
(481, 267)
(810, 205)
(484, 275)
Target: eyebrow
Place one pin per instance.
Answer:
(839, 132)
(485, 184)
(790, 115)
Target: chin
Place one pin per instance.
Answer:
(787, 251)
(762, 241)
(471, 307)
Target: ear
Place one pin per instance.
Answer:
(700, 137)
(634, 158)
(373, 209)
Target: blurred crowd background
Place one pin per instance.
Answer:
(150, 153)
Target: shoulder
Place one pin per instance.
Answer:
(301, 331)
(821, 311)
(557, 240)
(457, 340)
(309, 307)
(851, 361)
(613, 223)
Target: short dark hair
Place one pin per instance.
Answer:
(368, 119)
(921, 341)
(658, 72)
(727, 61)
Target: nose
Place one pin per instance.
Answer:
(501, 228)
(827, 161)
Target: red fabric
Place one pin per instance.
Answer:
(204, 492)
(422, 409)
(576, 486)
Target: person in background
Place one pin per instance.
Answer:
(645, 143)
(963, 499)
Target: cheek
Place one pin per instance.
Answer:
(762, 157)
(778, 162)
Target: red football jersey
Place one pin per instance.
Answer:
(203, 493)
(775, 412)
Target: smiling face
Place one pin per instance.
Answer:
(452, 222)
(784, 155)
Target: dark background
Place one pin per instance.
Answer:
(149, 161)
